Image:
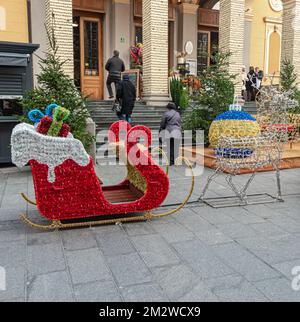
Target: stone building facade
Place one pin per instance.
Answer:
(256, 32)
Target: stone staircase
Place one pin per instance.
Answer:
(250, 107)
(103, 116)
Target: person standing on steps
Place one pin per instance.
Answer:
(115, 66)
(126, 95)
(171, 132)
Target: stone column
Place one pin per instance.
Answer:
(232, 24)
(155, 52)
(121, 29)
(59, 14)
(291, 33)
(247, 40)
(188, 26)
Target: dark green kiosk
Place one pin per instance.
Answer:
(16, 76)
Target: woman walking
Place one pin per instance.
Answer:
(171, 132)
(126, 95)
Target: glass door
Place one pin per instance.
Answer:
(203, 49)
(91, 71)
(214, 44)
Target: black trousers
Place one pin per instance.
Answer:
(109, 81)
(173, 149)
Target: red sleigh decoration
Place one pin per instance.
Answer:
(76, 192)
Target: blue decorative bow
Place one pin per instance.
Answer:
(36, 115)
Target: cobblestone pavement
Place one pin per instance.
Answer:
(200, 254)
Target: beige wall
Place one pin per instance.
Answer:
(260, 32)
(187, 27)
(117, 26)
(14, 26)
(121, 37)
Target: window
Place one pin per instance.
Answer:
(138, 34)
(214, 43)
(2, 19)
(76, 46)
(91, 48)
(202, 50)
(208, 45)
(10, 108)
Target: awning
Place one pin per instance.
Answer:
(14, 59)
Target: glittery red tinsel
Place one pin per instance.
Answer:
(45, 123)
(289, 128)
(64, 131)
(77, 193)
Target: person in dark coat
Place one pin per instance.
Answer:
(115, 66)
(126, 95)
(251, 84)
(171, 132)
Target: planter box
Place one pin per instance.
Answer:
(7, 123)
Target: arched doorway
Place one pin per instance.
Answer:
(274, 53)
(2, 19)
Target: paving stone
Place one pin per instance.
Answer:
(43, 259)
(176, 280)
(101, 291)
(129, 269)
(43, 237)
(272, 251)
(245, 293)
(12, 234)
(12, 254)
(16, 189)
(243, 262)
(13, 202)
(267, 228)
(106, 230)
(17, 300)
(15, 283)
(246, 217)
(201, 259)
(213, 216)
(200, 293)
(11, 214)
(213, 237)
(262, 211)
(12, 225)
(16, 178)
(173, 232)
(87, 265)
(115, 243)
(51, 287)
(194, 222)
(236, 230)
(234, 288)
(143, 293)
(78, 239)
(155, 250)
(288, 224)
(224, 282)
(278, 290)
(135, 229)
